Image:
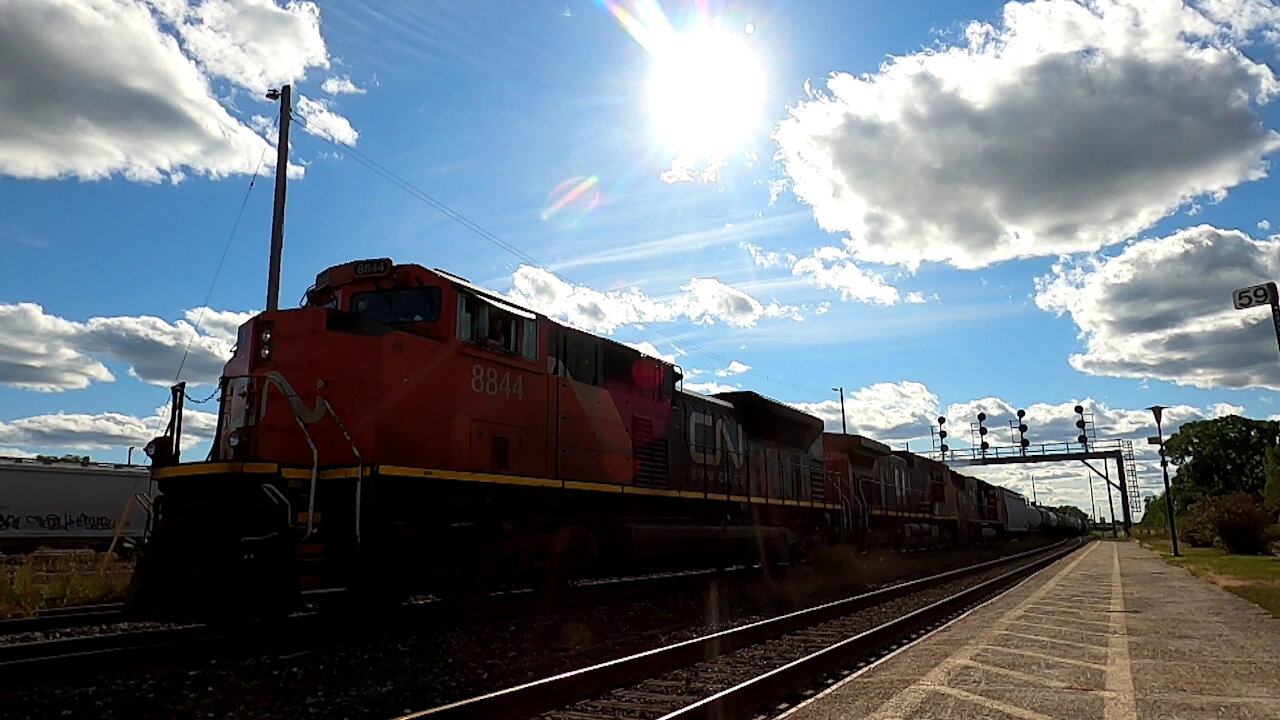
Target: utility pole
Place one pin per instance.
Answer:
(1157, 411)
(1107, 481)
(1093, 508)
(844, 427)
(285, 96)
(1034, 499)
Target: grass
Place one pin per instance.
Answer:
(41, 580)
(1255, 578)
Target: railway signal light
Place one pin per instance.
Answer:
(1083, 437)
(982, 432)
(942, 436)
(1023, 442)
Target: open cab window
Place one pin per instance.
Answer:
(497, 327)
(395, 307)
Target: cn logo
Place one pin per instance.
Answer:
(710, 437)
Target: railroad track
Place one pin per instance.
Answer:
(122, 645)
(733, 673)
(67, 617)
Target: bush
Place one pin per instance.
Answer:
(1236, 522)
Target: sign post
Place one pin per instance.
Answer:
(1255, 295)
(1158, 412)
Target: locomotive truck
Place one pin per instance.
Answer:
(406, 431)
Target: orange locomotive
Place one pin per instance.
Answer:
(405, 431)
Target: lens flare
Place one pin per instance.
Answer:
(572, 200)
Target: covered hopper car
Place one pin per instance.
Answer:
(60, 504)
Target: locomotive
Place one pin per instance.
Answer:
(406, 431)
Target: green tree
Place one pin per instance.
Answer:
(1220, 456)
(1271, 493)
(1074, 511)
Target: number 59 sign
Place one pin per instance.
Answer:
(1254, 295)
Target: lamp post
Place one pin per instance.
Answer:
(844, 426)
(1157, 410)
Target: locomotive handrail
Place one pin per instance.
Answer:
(315, 477)
(302, 415)
(277, 497)
(144, 502)
(359, 462)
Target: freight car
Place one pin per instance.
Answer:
(69, 504)
(898, 500)
(406, 431)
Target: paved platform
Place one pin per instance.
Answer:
(1109, 632)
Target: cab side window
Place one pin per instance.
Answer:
(492, 328)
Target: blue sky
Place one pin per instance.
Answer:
(941, 206)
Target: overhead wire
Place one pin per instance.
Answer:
(226, 247)
(493, 238)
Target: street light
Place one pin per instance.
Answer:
(1157, 410)
(844, 425)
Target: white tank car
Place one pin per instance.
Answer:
(65, 504)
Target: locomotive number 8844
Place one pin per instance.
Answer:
(405, 431)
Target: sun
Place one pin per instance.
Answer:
(705, 91)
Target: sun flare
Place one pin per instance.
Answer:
(706, 89)
(705, 92)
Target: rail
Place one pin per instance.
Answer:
(558, 690)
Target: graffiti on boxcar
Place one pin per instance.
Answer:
(55, 522)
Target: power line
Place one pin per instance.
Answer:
(469, 224)
(195, 330)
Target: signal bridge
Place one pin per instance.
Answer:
(1086, 447)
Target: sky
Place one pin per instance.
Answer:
(942, 207)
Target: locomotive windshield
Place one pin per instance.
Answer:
(399, 306)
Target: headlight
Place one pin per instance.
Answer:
(264, 352)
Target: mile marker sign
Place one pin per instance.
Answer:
(1254, 295)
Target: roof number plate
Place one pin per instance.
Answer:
(373, 267)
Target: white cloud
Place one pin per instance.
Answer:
(320, 119)
(883, 411)
(915, 297)
(34, 354)
(15, 453)
(125, 87)
(254, 43)
(335, 85)
(702, 300)
(221, 324)
(829, 268)
(101, 431)
(1162, 309)
(734, 368)
(1064, 128)
(1222, 409)
(47, 353)
(652, 351)
(1264, 225)
(710, 387)
(770, 258)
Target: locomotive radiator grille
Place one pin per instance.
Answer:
(817, 481)
(501, 452)
(650, 454)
